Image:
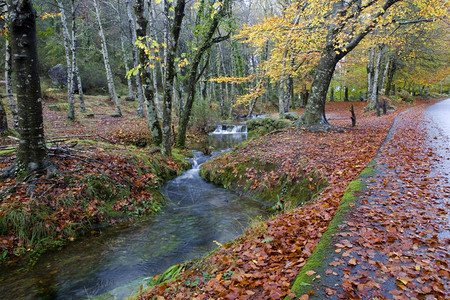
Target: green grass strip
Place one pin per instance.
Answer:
(304, 283)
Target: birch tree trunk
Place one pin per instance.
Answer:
(124, 53)
(370, 71)
(109, 75)
(8, 85)
(385, 73)
(31, 152)
(374, 96)
(67, 47)
(141, 30)
(75, 70)
(125, 62)
(152, 30)
(132, 25)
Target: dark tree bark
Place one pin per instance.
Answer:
(331, 54)
(304, 96)
(31, 153)
(353, 117)
(9, 85)
(146, 76)
(3, 119)
(315, 109)
(390, 77)
(170, 76)
(346, 94)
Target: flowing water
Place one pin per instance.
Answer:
(112, 263)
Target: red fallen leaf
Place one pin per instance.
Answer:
(304, 297)
(426, 290)
(329, 271)
(232, 296)
(330, 291)
(347, 286)
(352, 262)
(276, 294)
(310, 272)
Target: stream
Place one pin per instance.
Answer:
(112, 262)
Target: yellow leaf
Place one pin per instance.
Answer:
(402, 281)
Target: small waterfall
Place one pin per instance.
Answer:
(230, 129)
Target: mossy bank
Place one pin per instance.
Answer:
(248, 169)
(38, 213)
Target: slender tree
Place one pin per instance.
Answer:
(109, 74)
(146, 76)
(170, 75)
(207, 39)
(132, 25)
(75, 70)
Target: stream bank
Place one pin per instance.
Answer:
(112, 262)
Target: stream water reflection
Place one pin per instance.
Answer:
(112, 263)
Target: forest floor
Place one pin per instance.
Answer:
(107, 173)
(362, 227)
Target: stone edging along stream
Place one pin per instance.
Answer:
(303, 282)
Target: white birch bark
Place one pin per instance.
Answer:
(374, 96)
(67, 47)
(124, 54)
(383, 79)
(132, 24)
(155, 74)
(9, 87)
(109, 75)
(75, 70)
(370, 71)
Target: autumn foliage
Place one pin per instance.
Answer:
(105, 175)
(264, 262)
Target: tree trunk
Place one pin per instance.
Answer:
(332, 94)
(376, 76)
(127, 69)
(8, 85)
(67, 47)
(75, 70)
(390, 77)
(146, 76)
(31, 153)
(3, 119)
(205, 44)
(315, 109)
(132, 25)
(109, 74)
(125, 56)
(370, 71)
(346, 94)
(170, 75)
(281, 97)
(155, 73)
(385, 73)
